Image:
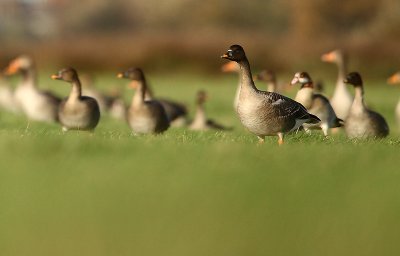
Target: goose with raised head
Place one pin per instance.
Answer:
(316, 104)
(395, 79)
(36, 104)
(144, 116)
(76, 112)
(7, 100)
(341, 100)
(361, 121)
(265, 113)
(200, 121)
(269, 78)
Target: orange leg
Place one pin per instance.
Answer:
(280, 140)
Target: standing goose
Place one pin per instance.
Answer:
(395, 79)
(265, 113)
(144, 116)
(76, 112)
(341, 100)
(200, 121)
(7, 99)
(38, 105)
(362, 122)
(233, 67)
(315, 103)
(268, 77)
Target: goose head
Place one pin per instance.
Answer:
(334, 56)
(235, 53)
(68, 75)
(394, 79)
(136, 76)
(354, 78)
(21, 63)
(201, 97)
(301, 78)
(266, 76)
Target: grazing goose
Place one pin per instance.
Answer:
(176, 112)
(395, 79)
(341, 100)
(38, 105)
(144, 116)
(315, 104)
(7, 100)
(268, 77)
(233, 67)
(200, 121)
(265, 113)
(362, 122)
(77, 112)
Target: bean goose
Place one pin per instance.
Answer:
(36, 104)
(315, 103)
(362, 122)
(144, 116)
(265, 113)
(395, 79)
(200, 121)
(268, 77)
(76, 112)
(341, 100)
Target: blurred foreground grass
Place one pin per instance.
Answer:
(187, 193)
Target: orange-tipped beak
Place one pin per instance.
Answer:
(11, 69)
(394, 79)
(224, 56)
(328, 57)
(54, 77)
(120, 75)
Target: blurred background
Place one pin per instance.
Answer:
(190, 34)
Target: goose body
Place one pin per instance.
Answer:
(265, 113)
(77, 112)
(36, 104)
(316, 104)
(361, 121)
(144, 116)
(341, 100)
(200, 121)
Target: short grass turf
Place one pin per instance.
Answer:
(189, 193)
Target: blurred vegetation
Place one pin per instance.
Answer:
(282, 35)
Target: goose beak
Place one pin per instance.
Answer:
(346, 81)
(120, 75)
(224, 56)
(394, 79)
(294, 81)
(328, 57)
(55, 77)
(11, 69)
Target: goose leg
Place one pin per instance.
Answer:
(325, 128)
(261, 140)
(280, 140)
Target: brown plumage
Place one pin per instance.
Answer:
(316, 104)
(361, 121)
(265, 113)
(200, 121)
(144, 116)
(76, 112)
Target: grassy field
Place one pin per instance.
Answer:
(188, 193)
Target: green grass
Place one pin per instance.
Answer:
(188, 193)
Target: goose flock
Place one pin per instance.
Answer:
(263, 113)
